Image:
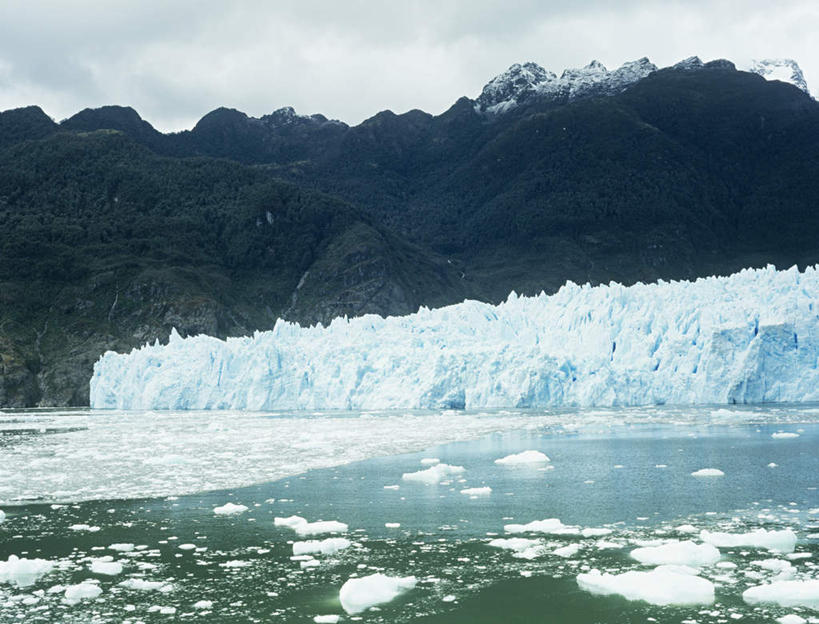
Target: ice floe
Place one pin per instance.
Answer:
(329, 546)
(82, 591)
(661, 586)
(781, 541)
(359, 594)
(23, 572)
(433, 474)
(477, 491)
(521, 547)
(685, 553)
(304, 528)
(552, 526)
(523, 458)
(785, 594)
(708, 472)
(229, 509)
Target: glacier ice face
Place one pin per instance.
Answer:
(748, 338)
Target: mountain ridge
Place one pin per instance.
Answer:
(113, 232)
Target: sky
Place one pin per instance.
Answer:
(175, 60)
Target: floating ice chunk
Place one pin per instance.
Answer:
(434, 474)
(606, 545)
(781, 541)
(784, 569)
(304, 528)
(593, 532)
(84, 527)
(685, 553)
(229, 509)
(686, 528)
(138, 584)
(203, 604)
(326, 619)
(2, 516)
(289, 521)
(477, 491)
(309, 563)
(708, 472)
(82, 591)
(392, 525)
(235, 563)
(522, 548)
(567, 551)
(186, 546)
(23, 572)
(359, 594)
(122, 547)
(322, 526)
(799, 555)
(773, 465)
(785, 594)
(784, 435)
(430, 461)
(549, 525)
(661, 586)
(791, 618)
(106, 568)
(329, 546)
(526, 457)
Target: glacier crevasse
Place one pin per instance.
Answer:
(747, 338)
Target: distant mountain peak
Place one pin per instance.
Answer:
(783, 69)
(692, 62)
(520, 82)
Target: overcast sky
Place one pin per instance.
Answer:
(175, 60)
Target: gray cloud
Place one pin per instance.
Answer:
(174, 61)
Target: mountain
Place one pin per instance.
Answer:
(520, 82)
(106, 245)
(113, 232)
(784, 70)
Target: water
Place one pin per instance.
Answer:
(625, 470)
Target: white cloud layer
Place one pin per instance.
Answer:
(175, 61)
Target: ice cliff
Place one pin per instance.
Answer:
(750, 337)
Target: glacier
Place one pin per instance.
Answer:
(747, 338)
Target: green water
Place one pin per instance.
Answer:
(633, 479)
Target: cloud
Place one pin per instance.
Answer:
(175, 61)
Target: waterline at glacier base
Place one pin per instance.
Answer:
(748, 338)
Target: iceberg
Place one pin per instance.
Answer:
(747, 338)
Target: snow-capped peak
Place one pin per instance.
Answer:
(519, 82)
(784, 70)
(692, 62)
